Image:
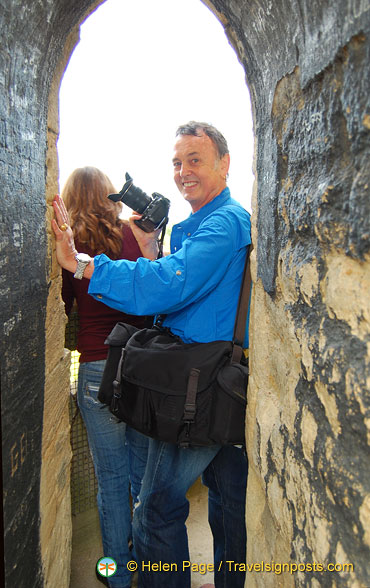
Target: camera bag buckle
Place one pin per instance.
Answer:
(190, 406)
(117, 383)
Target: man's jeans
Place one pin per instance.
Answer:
(119, 454)
(159, 518)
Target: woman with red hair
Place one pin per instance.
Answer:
(119, 453)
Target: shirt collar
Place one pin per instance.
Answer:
(196, 218)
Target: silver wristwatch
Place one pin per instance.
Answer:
(83, 261)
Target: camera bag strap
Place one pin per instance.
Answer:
(242, 311)
(238, 339)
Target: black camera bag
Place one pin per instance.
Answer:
(191, 394)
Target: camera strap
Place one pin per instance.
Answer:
(161, 240)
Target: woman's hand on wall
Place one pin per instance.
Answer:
(65, 246)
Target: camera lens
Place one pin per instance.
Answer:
(132, 196)
(136, 199)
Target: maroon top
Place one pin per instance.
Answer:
(96, 320)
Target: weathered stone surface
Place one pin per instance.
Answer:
(312, 274)
(308, 418)
(34, 367)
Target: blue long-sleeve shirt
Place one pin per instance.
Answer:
(197, 286)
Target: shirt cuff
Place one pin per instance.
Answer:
(100, 282)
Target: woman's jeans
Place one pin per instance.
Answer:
(119, 454)
(159, 529)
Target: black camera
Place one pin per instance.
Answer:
(154, 209)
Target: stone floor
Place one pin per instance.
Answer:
(86, 547)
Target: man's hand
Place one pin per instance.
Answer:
(65, 246)
(148, 242)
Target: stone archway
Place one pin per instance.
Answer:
(307, 424)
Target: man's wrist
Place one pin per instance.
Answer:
(155, 249)
(150, 250)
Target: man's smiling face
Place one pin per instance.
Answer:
(199, 172)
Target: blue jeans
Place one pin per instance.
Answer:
(226, 478)
(119, 454)
(159, 518)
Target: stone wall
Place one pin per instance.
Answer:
(307, 65)
(37, 39)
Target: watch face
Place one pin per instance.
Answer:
(83, 257)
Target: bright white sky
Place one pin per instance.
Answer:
(141, 69)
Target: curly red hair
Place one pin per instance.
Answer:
(94, 218)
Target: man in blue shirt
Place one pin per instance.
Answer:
(197, 288)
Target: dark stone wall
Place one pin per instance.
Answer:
(33, 35)
(307, 65)
(276, 39)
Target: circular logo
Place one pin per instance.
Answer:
(106, 567)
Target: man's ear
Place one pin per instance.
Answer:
(225, 164)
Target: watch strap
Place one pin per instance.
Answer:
(81, 266)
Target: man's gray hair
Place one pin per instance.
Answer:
(196, 128)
